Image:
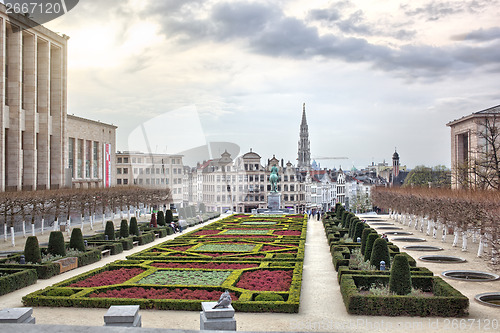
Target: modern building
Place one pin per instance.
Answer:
(472, 144)
(33, 104)
(151, 170)
(91, 153)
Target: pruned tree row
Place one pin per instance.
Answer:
(466, 215)
(53, 207)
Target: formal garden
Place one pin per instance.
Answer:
(376, 278)
(258, 259)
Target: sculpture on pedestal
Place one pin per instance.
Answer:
(274, 178)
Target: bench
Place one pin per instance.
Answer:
(135, 243)
(105, 253)
(157, 235)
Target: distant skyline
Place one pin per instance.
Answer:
(374, 75)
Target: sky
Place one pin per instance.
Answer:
(179, 75)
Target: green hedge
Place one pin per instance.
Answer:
(16, 279)
(448, 303)
(145, 237)
(415, 271)
(89, 257)
(43, 271)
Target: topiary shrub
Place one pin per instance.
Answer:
(32, 250)
(76, 240)
(380, 252)
(358, 230)
(134, 228)
(269, 297)
(124, 229)
(203, 209)
(160, 219)
(400, 279)
(364, 236)
(56, 244)
(110, 230)
(169, 217)
(344, 218)
(369, 244)
(153, 220)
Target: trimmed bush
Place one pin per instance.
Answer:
(364, 237)
(134, 228)
(169, 217)
(14, 278)
(110, 230)
(56, 244)
(344, 218)
(161, 219)
(358, 230)
(76, 241)
(269, 297)
(400, 280)
(32, 250)
(369, 244)
(124, 229)
(380, 252)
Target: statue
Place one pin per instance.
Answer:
(224, 301)
(274, 178)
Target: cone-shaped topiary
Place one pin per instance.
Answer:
(203, 209)
(56, 244)
(110, 230)
(369, 244)
(352, 225)
(32, 250)
(400, 280)
(169, 217)
(160, 219)
(134, 228)
(358, 230)
(344, 218)
(364, 237)
(380, 252)
(76, 240)
(124, 229)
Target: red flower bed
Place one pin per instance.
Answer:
(271, 248)
(152, 293)
(210, 265)
(107, 278)
(266, 280)
(242, 236)
(206, 232)
(287, 232)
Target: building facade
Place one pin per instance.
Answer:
(151, 170)
(91, 153)
(33, 104)
(472, 144)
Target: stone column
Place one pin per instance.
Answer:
(28, 92)
(42, 109)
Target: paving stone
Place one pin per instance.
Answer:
(121, 314)
(15, 315)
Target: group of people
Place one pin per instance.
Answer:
(318, 213)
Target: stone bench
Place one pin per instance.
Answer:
(17, 315)
(67, 264)
(105, 253)
(123, 315)
(220, 319)
(135, 243)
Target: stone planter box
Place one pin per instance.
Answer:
(67, 264)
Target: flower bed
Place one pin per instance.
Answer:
(198, 266)
(186, 277)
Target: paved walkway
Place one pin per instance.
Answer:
(321, 309)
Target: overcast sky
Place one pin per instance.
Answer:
(374, 74)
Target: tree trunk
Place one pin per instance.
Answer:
(5, 236)
(91, 221)
(32, 229)
(82, 217)
(443, 238)
(24, 228)
(480, 248)
(56, 222)
(13, 236)
(43, 222)
(464, 241)
(455, 239)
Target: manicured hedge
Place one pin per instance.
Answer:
(283, 254)
(415, 271)
(43, 271)
(448, 302)
(16, 279)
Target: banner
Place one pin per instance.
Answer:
(107, 165)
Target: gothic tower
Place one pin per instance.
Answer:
(304, 158)
(395, 164)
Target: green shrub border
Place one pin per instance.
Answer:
(16, 279)
(448, 302)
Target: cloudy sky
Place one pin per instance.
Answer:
(374, 74)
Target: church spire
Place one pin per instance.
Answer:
(304, 153)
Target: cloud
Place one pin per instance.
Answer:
(436, 9)
(481, 35)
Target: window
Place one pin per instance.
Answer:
(292, 188)
(96, 160)
(79, 161)
(125, 182)
(292, 178)
(125, 171)
(166, 181)
(175, 171)
(261, 178)
(157, 171)
(140, 181)
(285, 178)
(141, 171)
(136, 170)
(139, 160)
(147, 181)
(118, 181)
(71, 152)
(134, 160)
(119, 171)
(147, 171)
(125, 160)
(119, 160)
